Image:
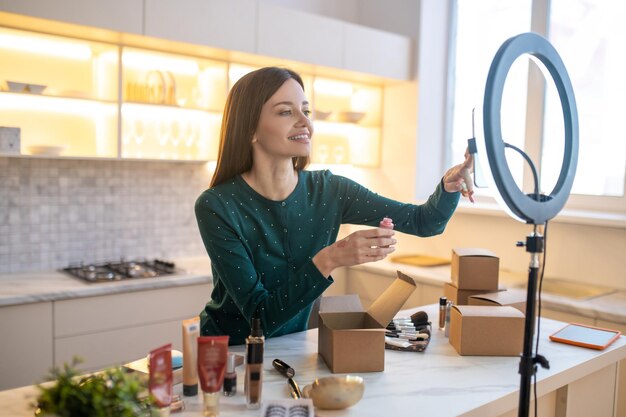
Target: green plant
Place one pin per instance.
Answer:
(110, 393)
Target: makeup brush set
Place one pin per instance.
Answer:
(409, 334)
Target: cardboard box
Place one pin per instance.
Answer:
(457, 296)
(514, 297)
(487, 331)
(141, 368)
(474, 269)
(351, 339)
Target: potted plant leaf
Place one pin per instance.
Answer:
(110, 393)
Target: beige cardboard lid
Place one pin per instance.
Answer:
(488, 311)
(474, 252)
(341, 304)
(391, 300)
(511, 296)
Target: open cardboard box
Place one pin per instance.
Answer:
(352, 339)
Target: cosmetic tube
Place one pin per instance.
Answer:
(448, 311)
(442, 312)
(212, 354)
(230, 377)
(254, 365)
(161, 381)
(191, 332)
(386, 223)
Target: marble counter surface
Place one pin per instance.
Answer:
(610, 306)
(33, 287)
(437, 382)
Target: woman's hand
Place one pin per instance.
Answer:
(357, 248)
(458, 178)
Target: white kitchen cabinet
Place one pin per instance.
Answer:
(621, 386)
(305, 37)
(113, 329)
(298, 36)
(115, 347)
(26, 346)
(373, 51)
(119, 15)
(226, 24)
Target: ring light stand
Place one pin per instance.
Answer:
(534, 208)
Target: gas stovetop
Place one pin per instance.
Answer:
(121, 270)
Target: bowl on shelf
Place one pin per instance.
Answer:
(350, 116)
(48, 150)
(321, 115)
(16, 87)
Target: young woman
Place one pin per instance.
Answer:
(270, 227)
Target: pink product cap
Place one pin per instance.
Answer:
(386, 223)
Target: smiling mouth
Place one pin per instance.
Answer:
(303, 137)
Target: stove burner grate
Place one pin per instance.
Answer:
(121, 270)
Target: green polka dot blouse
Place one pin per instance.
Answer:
(261, 249)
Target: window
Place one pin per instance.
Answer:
(589, 36)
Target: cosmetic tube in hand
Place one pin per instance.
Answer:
(386, 223)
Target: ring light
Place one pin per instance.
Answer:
(522, 205)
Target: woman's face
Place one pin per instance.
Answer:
(284, 128)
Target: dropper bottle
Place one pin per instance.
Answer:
(254, 365)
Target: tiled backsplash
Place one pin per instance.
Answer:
(57, 211)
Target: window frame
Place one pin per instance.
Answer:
(587, 206)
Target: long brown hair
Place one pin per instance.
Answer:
(241, 117)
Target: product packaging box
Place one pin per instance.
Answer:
(457, 296)
(474, 269)
(487, 331)
(353, 340)
(141, 368)
(514, 297)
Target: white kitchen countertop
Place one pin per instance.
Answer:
(437, 382)
(610, 307)
(34, 287)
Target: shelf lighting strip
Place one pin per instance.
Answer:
(147, 62)
(44, 46)
(32, 102)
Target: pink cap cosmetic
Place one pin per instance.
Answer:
(386, 223)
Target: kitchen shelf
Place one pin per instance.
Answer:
(111, 100)
(174, 106)
(46, 96)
